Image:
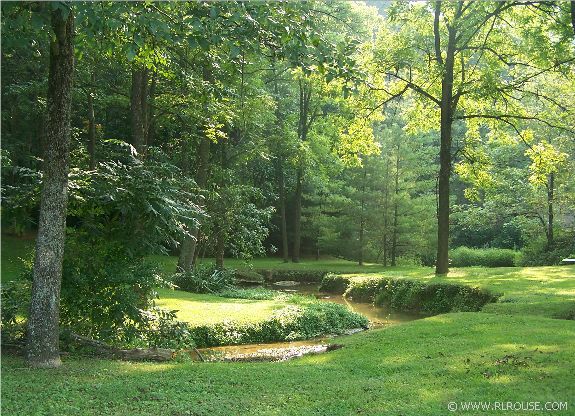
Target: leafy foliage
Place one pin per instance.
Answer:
(488, 257)
(307, 319)
(205, 278)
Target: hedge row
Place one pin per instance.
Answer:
(294, 322)
(487, 257)
(410, 295)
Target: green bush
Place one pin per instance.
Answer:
(487, 257)
(537, 252)
(432, 298)
(417, 296)
(334, 283)
(304, 320)
(15, 303)
(295, 275)
(205, 278)
(364, 290)
(256, 293)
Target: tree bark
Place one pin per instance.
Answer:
(189, 244)
(297, 218)
(43, 323)
(447, 108)
(362, 218)
(550, 196)
(91, 127)
(385, 209)
(282, 203)
(304, 123)
(137, 101)
(220, 246)
(151, 121)
(395, 209)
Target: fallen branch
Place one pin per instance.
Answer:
(135, 354)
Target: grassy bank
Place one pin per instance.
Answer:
(410, 369)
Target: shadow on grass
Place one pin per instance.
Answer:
(410, 369)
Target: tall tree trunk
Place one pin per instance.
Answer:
(297, 218)
(151, 121)
(395, 209)
(304, 123)
(91, 127)
(282, 203)
(137, 101)
(43, 323)
(385, 209)
(280, 167)
(362, 218)
(189, 244)
(447, 108)
(220, 246)
(550, 196)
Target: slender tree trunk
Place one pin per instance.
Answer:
(280, 167)
(297, 218)
(573, 15)
(362, 218)
(150, 105)
(385, 209)
(550, 196)
(137, 100)
(283, 219)
(189, 244)
(220, 246)
(304, 123)
(447, 108)
(395, 209)
(91, 127)
(43, 323)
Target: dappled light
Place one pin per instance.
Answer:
(287, 207)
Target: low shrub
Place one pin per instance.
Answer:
(205, 278)
(256, 293)
(364, 289)
(487, 257)
(537, 252)
(304, 320)
(295, 275)
(334, 283)
(15, 303)
(417, 296)
(432, 298)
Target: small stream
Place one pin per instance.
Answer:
(378, 317)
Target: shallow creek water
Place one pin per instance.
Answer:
(378, 317)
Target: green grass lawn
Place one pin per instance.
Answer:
(410, 369)
(511, 351)
(199, 309)
(546, 291)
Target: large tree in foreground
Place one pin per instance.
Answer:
(43, 323)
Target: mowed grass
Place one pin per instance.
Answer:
(545, 291)
(415, 369)
(205, 309)
(504, 353)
